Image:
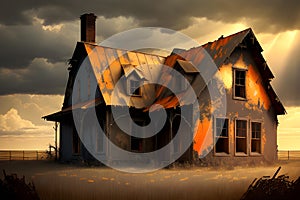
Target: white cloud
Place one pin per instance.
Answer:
(21, 126)
(12, 124)
(31, 107)
(11, 121)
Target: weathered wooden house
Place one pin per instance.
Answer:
(246, 134)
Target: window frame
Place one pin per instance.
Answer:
(129, 88)
(255, 153)
(100, 148)
(235, 69)
(76, 148)
(246, 137)
(141, 140)
(215, 137)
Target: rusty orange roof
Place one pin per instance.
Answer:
(219, 51)
(109, 64)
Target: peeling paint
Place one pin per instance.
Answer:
(257, 94)
(226, 76)
(203, 136)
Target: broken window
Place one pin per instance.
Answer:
(241, 136)
(221, 136)
(76, 143)
(255, 137)
(240, 83)
(134, 88)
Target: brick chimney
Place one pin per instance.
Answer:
(88, 27)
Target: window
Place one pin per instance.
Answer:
(241, 136)
(240, 84)
(134, 88)
(99, 143)
(255, 137)
(76, 143)
(136, 142)
(100, 148)
(221, 136)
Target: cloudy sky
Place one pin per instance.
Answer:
(38, 37)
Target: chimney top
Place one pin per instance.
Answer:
(88, 27)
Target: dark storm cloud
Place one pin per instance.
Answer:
(289, 84)
(24, 42)
(40, 77)
(21, 44)
(263, 16)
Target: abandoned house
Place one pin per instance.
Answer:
(246, 134)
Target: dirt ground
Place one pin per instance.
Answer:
(66, 181)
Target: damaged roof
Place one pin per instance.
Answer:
(110, 64)
(220, 50)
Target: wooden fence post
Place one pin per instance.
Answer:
(9, 155)
(23, 155)
(288, 155)
(37, 155)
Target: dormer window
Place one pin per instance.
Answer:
(134, 80)
(134, 88)
(239, 87)
(187, 72)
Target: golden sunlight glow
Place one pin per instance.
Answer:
(53, 28)
(277, 48)
(226, 74)
(289, 130)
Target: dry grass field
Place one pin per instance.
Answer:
(65, 181)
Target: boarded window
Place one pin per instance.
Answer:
(134, 88)
(76, 143)
(221, 136)
(256, 137)
(240, 84)
(241, 136)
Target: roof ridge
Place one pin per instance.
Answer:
(231, 35)
(133, 51)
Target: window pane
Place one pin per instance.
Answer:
(134, 87)
(241, 128)
(256, 137)
(100, 147)
(221, 137)
(222, 127)
(240, 82)
(256, 130)
(241, 136)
